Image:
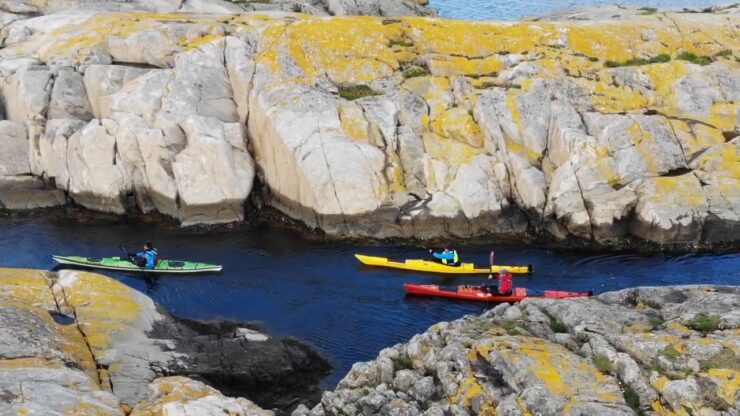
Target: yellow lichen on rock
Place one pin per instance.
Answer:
(728, 383)
(27, 287)
(457, 124)
(449, 66)
(350, 50)
(103, 306)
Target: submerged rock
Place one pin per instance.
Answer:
(661, 350)
(77, 341)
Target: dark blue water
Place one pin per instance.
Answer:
(317, 291)
(515, 10)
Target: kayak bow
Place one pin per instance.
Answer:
(435, 267)
(116, 263)
(476, 293)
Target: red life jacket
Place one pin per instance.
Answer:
(504, 283)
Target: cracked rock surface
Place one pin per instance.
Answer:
(82, 343)
(647, 350)
(588, 128)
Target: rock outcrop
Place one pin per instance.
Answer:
(313, 7)
(652, 351)
(606, 131)
(81, 343)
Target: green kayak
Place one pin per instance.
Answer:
(123, 264)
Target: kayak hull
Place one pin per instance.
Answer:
(115, 263)
(435, 267)
(475, 293)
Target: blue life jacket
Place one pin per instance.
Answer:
(448, 257)
(150, 256)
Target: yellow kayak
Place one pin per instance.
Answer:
(435, 267)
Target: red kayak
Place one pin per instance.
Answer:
(480, 294)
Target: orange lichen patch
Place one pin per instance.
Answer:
(103, 306)
(27, 287)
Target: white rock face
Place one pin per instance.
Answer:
(95, 169)
(213, 178)
(399, 129)
(13, 149)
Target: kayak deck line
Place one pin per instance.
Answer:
(436, 267)
(476, 293)
(115, 263)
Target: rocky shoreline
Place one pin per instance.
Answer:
(647, 350)
(81, 343)
(122, 350)
(593, 129)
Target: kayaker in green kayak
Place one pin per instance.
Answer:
(447, 256)
(146, 258)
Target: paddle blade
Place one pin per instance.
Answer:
(490, 259)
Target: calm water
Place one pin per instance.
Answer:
(513, 10)
(318, 292)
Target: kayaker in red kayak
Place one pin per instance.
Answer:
(504, 286)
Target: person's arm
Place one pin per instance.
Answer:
(439, 256)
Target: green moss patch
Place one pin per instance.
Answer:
(694, 59)
(662, 58)
(631, 397)
(356, 92)
(402, 363)
(602, 363)
(415, 71)
(671, 353)
(558, 327)
(704, 323)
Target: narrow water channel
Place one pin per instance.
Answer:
(317, 291)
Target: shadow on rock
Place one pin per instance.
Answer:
(241, 361)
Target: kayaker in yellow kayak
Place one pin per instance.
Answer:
(447, 256)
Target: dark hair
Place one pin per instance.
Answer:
(148, 245)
